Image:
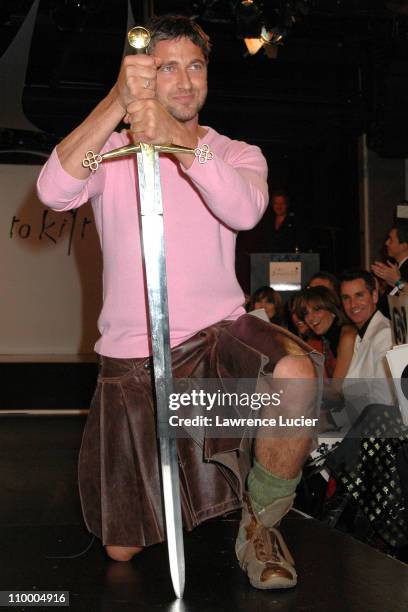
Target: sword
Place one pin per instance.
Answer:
(151, 211)
(151, 214)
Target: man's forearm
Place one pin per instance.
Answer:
(91, 134)
(237, 196)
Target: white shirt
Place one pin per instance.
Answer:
(368, 380)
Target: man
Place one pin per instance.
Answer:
(283, 234)
(288, 233)
(160, 95)
(395, 274)
(368, 378)
(325, 279)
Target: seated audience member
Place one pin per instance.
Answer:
(364, 465)
(319, 307)
(270, 300)
(368, 378)
(395, 274)
(325, 279)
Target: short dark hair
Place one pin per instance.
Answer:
(280, 193)
(327, 276)
(359, 273)
(170, 27)
(401, 227)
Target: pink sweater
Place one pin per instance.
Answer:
(204, 207)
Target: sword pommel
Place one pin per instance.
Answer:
(139, 39)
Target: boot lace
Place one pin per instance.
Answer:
(269, 545)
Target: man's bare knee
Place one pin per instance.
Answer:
(122, 553)
(294, 366)
(296, 377)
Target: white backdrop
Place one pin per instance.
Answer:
(50, 289)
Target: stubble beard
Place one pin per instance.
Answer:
(187, 114)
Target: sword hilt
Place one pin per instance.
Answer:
(139, 39)
(92, 160)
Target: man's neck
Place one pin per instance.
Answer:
(402, 257)
(193, 128)
(363, 327)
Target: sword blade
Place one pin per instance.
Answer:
(151, 209)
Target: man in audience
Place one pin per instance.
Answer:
(289, 233)
(368, 379)
(395, 274)
(325, 279)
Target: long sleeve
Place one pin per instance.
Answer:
(232, 184)
(61, 191)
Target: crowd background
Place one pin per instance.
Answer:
(359, 482)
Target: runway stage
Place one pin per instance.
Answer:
(40, 518)
(336, 572)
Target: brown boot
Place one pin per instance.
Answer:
(260, 548)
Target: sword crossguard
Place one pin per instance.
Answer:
(203, 154)
(92, 160)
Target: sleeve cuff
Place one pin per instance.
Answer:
(55, 172)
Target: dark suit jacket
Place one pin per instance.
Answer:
(404, 271)
(383, 301)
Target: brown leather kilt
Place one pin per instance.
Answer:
(119, 478)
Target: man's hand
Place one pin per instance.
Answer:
(388, 272)
(136, 80)
(151, 123)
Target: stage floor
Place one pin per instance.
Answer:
(336, 572)
(40, 516)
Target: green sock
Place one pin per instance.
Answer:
(264, 487)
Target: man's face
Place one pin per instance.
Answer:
(358, 303)
(181, 78)
(395, 248)
(279, 205)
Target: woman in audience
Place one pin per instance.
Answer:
(299, 327)
(270, 300)
(319, 307)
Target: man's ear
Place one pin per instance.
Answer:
(375, 296)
